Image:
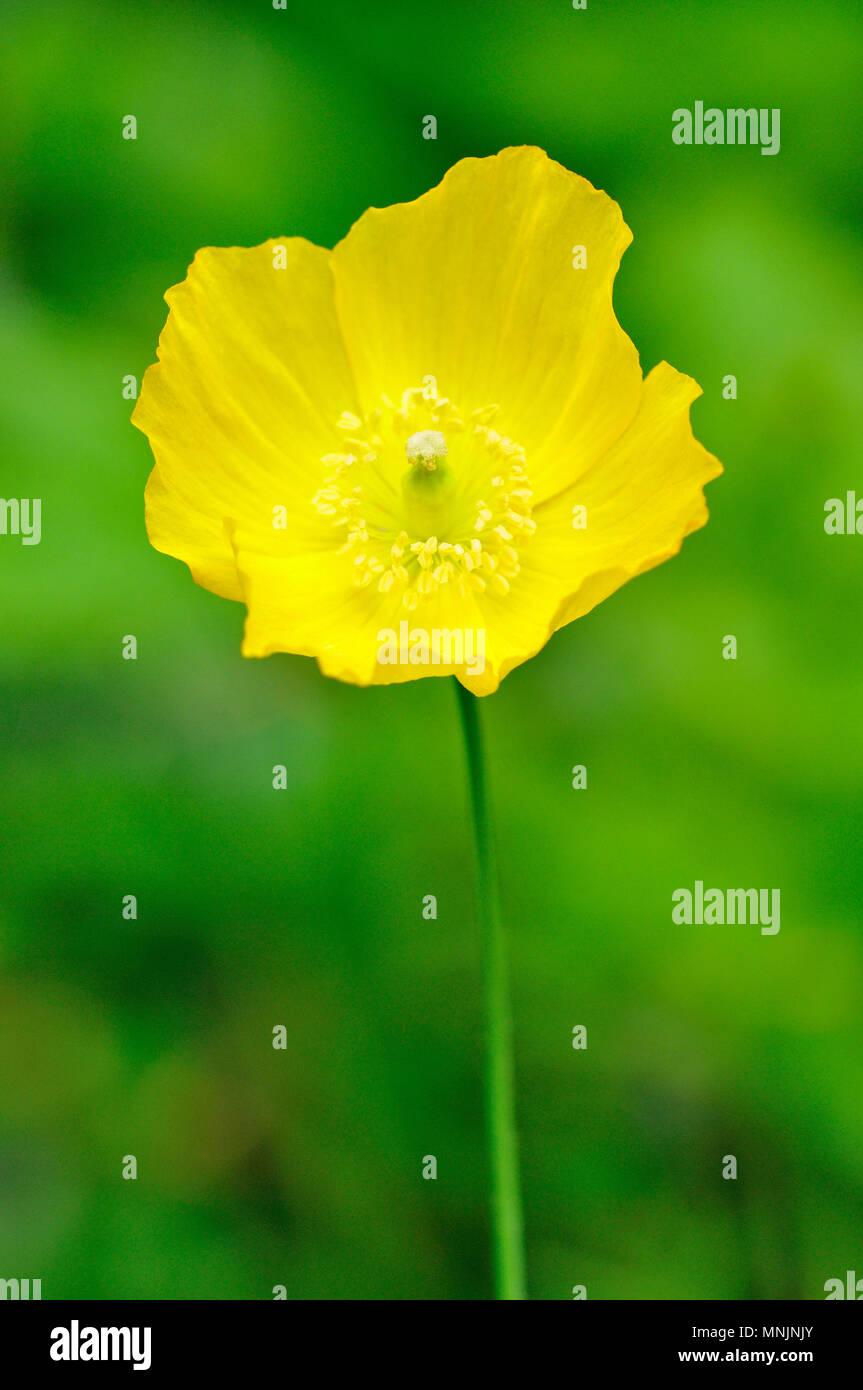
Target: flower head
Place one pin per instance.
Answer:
(440, 423)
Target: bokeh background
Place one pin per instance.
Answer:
(303, 1167)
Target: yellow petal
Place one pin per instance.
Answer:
(239, 407)
(474, 284)
(641, 500)
(309, 605)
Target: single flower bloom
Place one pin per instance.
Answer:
(437, 427)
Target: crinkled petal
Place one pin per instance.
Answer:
(641, 501)
(239, 407)
(309, 605)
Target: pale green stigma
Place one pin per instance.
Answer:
(425, 449)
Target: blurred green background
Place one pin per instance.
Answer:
(256, 908)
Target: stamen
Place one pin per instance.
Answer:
(452, 517)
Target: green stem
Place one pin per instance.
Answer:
(500, 1102)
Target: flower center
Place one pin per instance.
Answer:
(422, 497)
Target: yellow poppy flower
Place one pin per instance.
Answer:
(439, 427)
